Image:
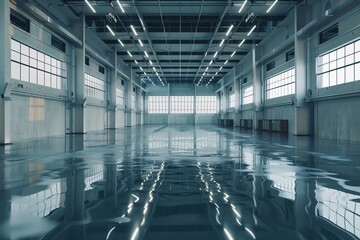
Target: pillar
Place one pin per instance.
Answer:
(4, 72)
(79, 85)
(258, 114)
(302, 115)
(112, 116)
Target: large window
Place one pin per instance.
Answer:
(30, 65)
(339, 66)
(232, 100)
(182, 104)
(281, 85)
(158, 104)
(248, 96)
(94, 87)
(206, 104)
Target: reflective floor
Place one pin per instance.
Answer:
(180, 182)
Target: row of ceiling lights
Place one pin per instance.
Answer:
(223, 40)
(211, 62)
(139, 40)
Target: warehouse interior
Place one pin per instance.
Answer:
(183, 119)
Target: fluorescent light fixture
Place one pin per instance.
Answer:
(140, 42)
(142, 24)
(133, 29)
(146, 54)
(136, 62)
(141, 69)
(110, 30)
(129, 53)
(222, 42)
(243, 6)
(90, 6)
(211, 62)
(154, 69)
(206, 54)
(238, 221)
(216, 73)
(226, 62)
(121, 42)
(220, 68)
(216, 54)
(145, 73)
(151, 63)
(204, 74)
(157, 74)
(233, 54)
(231, 27)
(122, 9)
(228, 234)
(206, 69)
(241, 42)
(272, 5)
(252, 29)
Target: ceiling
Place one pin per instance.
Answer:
(181, 38)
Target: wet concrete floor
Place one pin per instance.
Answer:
(179, 182)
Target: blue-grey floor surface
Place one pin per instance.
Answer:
(179, 182)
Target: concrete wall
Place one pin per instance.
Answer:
(95, 118)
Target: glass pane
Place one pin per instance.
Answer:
(349, 74)
(341, 76)
(15, 56)
(33, 53)
(349, 49)
(332, 78)
(25, 50)
(33, 75)
(24, 73)
(15, 45)
(15, 70)
(357, 72)
(41, 78)
(340, 52)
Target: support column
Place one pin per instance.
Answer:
(4, 72)
(302, 116)
(258, 114)
(237, 92)
(112, 116)
(79, 86)
(128, 93)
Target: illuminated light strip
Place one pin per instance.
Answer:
(211, 62)
(140, 42)
(146, 54)
(151, 63)
(142, 24)
(233, 54)
(136, 62)
(216, 54)
(141, 69)
(122, 9)
(90, 6)
(121, 42)
(229, 30)
(228, 234)
(110, 30)
(129, 53)
(241, 42)
(222, 42)
(133, 29)
(243, 6)
(226, 62)
(252, 29)
(272, 5)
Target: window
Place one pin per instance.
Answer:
(232, 100)
(94, 87)
(329, 33)
(248, 96)
(281, 84)
(290, 55)
(30, 65)
(101, 69)
(19, 21)
(158, 104)
(339, 66)
(57, 43)
(270, 65)
(244, 80)
(205, 104)
(87, 61)
(181, 104)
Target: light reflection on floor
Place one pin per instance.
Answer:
(180, 182)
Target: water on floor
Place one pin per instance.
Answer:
(179, 182)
